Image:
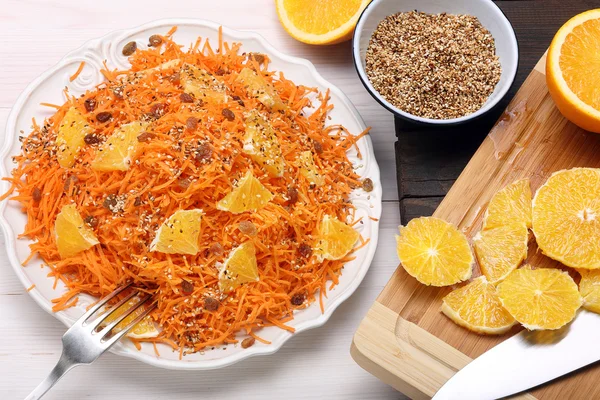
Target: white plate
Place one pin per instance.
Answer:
(48, 88)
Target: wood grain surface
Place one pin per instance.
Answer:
(530, 140)
(429, 160)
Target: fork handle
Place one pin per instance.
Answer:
(63, 365)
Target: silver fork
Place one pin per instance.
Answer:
(83, 343)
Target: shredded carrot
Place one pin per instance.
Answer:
(76, 74)
(51, 105)
(166, 175)
(30, 288)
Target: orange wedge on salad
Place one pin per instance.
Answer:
(240, 267)
(179, 233)
(434, 252)
(309, 169)
(262, 145)
(248, 195)
(336, 239)
(72, 234)
(73, 128)
(202, 85)
(320, 22)
(477, 307)
(142, 330)
(116, 154)
(573, 70)
(259, 88)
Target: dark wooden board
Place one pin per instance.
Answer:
(429, 160)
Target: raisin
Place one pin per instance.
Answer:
(137, 202)
(91, 221)
(110, 202)
(118, 92)
(247, 228)
(204, 153)
(186, 98)
(187, 287)
(70, 182)
(239, 100)
(305, 250)
(292, 195)
(129, 48)
(228, 114)
(145, 137)
(36, 194)
(298, 299)
(155, 40)
(191, 123)
(259, 58)
(89, 104)
(248, 342)
(211, 304)
(157, 110)
(184, 183)
(217, 249)
(175, 78)
(367, 185)
(220, 72)
(318, 147)
(91, 138)
(103, 117)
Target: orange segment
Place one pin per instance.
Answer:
(72, 234)
(434, 252)
(501, 250)
(540, 298)
(589, 287)
(512, 203)
(142, 330)
(336, 239)
(309, 169)
(566, 217)
(248, 195)
(259, 88)
(262, 145)
(573, 70)
(477, 307)
(320, 22)
(240, 267)
(117, 152)
(202, 85)
(69, 139)
(179, 233)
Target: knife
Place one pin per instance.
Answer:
(526, 360)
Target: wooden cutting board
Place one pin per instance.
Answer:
(405, 340)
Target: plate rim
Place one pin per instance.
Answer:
(182, 364)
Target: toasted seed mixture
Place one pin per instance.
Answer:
(438, 66)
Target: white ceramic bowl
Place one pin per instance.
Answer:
(490, 16)
(49, 88)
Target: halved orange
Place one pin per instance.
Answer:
(573, 70)
(477, 307)
(320, 22)
(434, 252)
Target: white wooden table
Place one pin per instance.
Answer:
(35, 34)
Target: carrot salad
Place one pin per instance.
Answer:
(190, 153)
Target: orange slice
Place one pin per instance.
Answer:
(69, 139)
(248, 195)
(320, 22)
(142, 330)
(477, 307)
(566, 217)
(240, 267)
(511, 204)
(262, 145)
(117, 152)
(336, 239)
(434, 252)
(589, 287)
(501, 250)
(258, 87)
(540, 298)
(202, 85)
(573, 70)
(309, 169)
(179, 233)
(72, 234)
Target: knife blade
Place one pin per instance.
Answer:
(526, 360)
